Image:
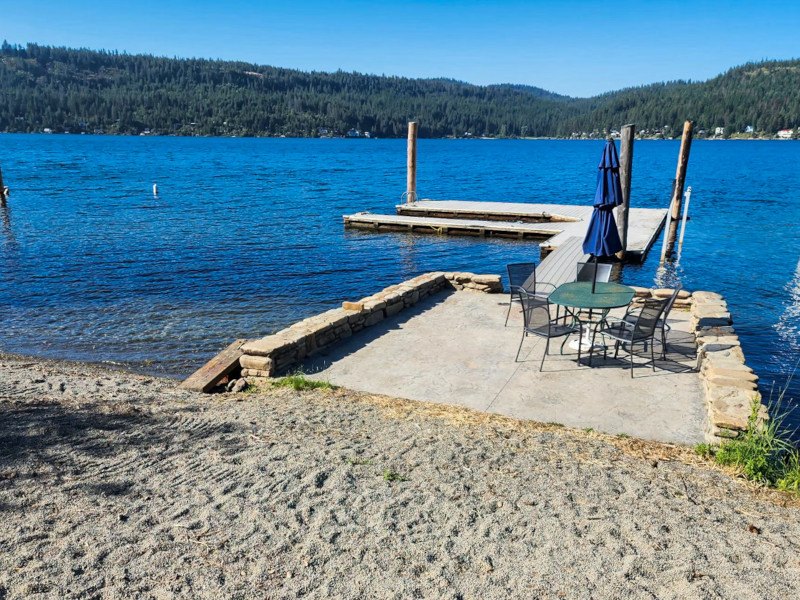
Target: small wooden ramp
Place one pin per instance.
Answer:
(560, 266)
(210, 374)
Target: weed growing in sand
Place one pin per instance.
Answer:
(623, 435)
(588, 429)
(555, 424)
(764, 453)
(389, 475)
(359, 462)
(250, 389)
(704, 450)
(298, 382)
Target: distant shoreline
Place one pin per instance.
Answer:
(278, 137)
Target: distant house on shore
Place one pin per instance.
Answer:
(354, 133)
(719, 131)
(785, 134)
(749, 129)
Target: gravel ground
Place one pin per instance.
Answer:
(115, 485)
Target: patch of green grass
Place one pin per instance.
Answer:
(298, 382)
(588, 429)
(623, 435)
(554, 424)
(764, 453)
(359, 461)
(250, 389)
(389, 475)
(705, 450)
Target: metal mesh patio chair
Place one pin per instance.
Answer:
(586, 270)
(538, 322)
(630, 317)
(642, 330)
(518, 276)
(523, 276)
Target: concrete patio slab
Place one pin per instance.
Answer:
(454, 349)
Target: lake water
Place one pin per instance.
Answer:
(245, 236)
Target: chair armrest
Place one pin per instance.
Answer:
(609, 320)
(546, 292)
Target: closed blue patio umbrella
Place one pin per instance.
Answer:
(602, 237)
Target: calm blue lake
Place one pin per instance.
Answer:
(245, 236)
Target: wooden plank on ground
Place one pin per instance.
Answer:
(210, 374)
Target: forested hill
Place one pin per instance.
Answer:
(82, 90)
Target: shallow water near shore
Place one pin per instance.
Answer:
(245, 235)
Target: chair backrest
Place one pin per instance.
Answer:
(647, 321)
(587, 269)
(519, 273)
(671, 301)
(535, 310)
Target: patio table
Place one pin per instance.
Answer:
(578, 294)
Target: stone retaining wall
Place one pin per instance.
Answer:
(730, 385)
(277, 353)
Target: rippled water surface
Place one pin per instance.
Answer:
(246, 237)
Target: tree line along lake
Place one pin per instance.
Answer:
(245, 235)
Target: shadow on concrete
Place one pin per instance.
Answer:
(325, 358)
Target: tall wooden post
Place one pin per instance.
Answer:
(680, 173)
(411, 165)
(680, 181)
(625, 168)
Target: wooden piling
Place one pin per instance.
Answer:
(680, 174)
(2, 188)
(685, 216)
(625, 167)
(411, 165)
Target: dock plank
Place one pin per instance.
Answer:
(210, 374)
(551, 224)
(493, 210)
(560, 266)
(445, 225)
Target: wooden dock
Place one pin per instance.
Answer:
(550, 224)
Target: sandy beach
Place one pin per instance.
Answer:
(115, 485)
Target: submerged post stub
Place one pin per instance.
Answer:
(4, 191)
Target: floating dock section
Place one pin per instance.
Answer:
(550, 224)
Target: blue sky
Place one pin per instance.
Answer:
(577, 48)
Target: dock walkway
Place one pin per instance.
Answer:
(551, 224)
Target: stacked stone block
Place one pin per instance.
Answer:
(730, 385)
(279, 352)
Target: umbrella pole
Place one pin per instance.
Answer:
(594, 276)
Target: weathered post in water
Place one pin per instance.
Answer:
(3, 190)
(625, 167)
(680, 181)
(411, 165)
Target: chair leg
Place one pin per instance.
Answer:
(630, 351)
(591, 348)
(663, 344)
(546, 347)
(652, 355)
(524, 333)
(566, 337)
(616, 349)
(580, 342)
